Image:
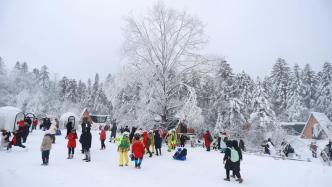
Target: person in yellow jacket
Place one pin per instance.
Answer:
(173, 139)
(123, 148)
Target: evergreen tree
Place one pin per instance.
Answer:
(44, 78)
(308, 87)
(324, 94)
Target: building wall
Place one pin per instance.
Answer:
(308, 129)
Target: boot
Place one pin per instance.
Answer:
(240, 180)
(71, 156)
(68, 156)
(226, 179)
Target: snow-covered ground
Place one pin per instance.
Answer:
(22, 168)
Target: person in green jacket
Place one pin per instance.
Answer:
(123, 148)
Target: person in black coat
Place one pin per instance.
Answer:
(69, 127)
(157, 142)
(86, 139)
(132, 133)
(113, 132)
(227, 160)
(236, 165)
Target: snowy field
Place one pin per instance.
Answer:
(22, 168)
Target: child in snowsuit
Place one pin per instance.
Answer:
(123, 148)
(72, 136)
(207, 140)
(180, 154)
(102, 139)
(17, 139)
(46, 147)
(138, 151)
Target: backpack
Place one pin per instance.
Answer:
(210, 138)
(234, 155)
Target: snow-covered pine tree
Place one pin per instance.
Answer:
(296, 110)
(44, 78)
(309, 87)
(324, 93)
(280, 84)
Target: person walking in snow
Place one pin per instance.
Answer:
(313, 149)
(157, 142)
(71, 145)
(34, 124)
(183, 139)
(46, 147)
(86, 140)
(207, 140)
(227, 160)
(236, 160)
(152, 143)
(123, 148)
(113, 132)
(17, 139)
(146, 142)
(138, 151)
(102, 138)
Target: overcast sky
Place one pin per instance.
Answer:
(79, 38)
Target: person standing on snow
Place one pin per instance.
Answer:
(71, 145)
(53, 130)
(138, 151)
(69, 127)
(236, 160)
(157, 142)
(113, 132)
(152, 144)
(146, 142)
(132, 133)
(207, 140)
(46, 147)
(102, 138)
(86, 140)
(123, 148)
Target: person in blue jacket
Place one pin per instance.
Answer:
(180, 154)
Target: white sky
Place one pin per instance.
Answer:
(79, 38)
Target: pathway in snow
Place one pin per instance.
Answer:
(22, 168)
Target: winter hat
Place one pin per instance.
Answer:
(126, 134)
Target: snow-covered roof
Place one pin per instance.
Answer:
(323, 122)
(291, 123)
(8, 115)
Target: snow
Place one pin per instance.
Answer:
(21, 167)
(324, 123)
(8, 115)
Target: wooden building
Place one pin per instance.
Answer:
(318, 127)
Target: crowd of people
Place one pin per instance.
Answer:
(134, 143)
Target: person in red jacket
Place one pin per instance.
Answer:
(72, 136)
(207, 140)
(138, 151)
(147, 142)
(102, 138)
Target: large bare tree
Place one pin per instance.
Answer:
(166, 42)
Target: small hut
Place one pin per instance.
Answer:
(9, 116)
(318, 127)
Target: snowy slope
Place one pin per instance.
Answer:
(22, 168)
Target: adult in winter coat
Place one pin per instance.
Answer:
(183, 139)
(207, 140)
(102, 138)
(46, 147)
(236, 164)
(53, 130)
(151, 139)
(123, 148)
(227, 160)
(146, 142)
(138, 151)
(34, 124)
(26, 129)
(86, 140)
(71, 145)
(113, 132)
(69, 127)
(17, 138)
(157, 142)
(132, 133)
